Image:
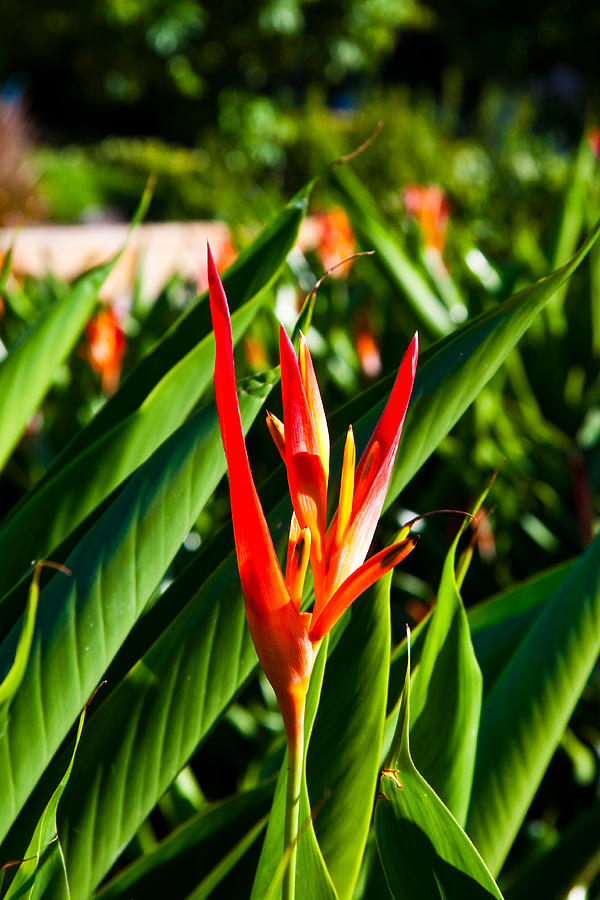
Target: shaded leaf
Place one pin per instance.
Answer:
(14, 676)
(552, 873)
(188, 855)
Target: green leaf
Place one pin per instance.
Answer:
(424, 851)
(159, 712)
(152, 402)
(189, 856)
(498, 624)
(570, 226)
(26, 372)
(527, 709)
(312, 878)
(345, 748)
(44, 860)
(444, 734)
(83, 620)
(456, 368)
(5, 269)
(14, 677)
(376, 234)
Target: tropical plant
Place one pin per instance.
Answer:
(449, 738)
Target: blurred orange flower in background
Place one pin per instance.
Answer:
(367, 348)
(429, 207)
(335, 240)
(255, 353)
(106, 348)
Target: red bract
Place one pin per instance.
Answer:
(286, 639)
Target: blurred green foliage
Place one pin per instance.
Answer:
(503, 179)
(171, 68)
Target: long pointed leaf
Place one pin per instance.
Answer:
(528, 707)
(27, 371)
(51, 511)
(452, 373)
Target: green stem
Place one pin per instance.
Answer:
(292, 807)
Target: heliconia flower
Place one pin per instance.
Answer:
(285, 638)
(335, 241)
(429, 206)
(106, 348)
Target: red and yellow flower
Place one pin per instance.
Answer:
(287, 639)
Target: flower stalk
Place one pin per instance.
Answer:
(292, 807)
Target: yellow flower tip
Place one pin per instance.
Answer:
(403, 533)
(315, 403)
(277, 432)
(346, 487)
(298, 556)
